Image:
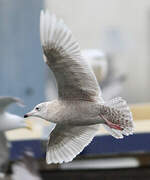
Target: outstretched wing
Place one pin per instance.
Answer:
(75, 79)
(5, 101)
(66, 142)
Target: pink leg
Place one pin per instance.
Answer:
(112, 125)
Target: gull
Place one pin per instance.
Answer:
(8, 121)
(80, 108)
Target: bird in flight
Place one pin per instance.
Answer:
(79, 109)
(8, 121)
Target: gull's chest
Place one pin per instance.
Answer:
(75, 112)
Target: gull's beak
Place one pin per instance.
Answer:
(26, 115)
(29, 114)
(28, 125)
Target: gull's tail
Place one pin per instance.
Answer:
(117, 117)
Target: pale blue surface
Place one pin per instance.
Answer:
(22, 70)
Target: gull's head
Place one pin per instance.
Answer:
(39, 110)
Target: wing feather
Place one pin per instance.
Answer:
(66, 142)
(5, 101)
(74, 77)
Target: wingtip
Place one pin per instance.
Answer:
(46, 13)
(20, 102)
(45, 22)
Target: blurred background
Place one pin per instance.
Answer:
(114, 38)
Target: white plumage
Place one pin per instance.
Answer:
(80, 108)
(56, 36)
(66, 142)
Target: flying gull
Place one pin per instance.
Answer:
(80, 109)
(8, 122)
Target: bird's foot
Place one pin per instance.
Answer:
(112, 125)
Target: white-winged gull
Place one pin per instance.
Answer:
(80, 108)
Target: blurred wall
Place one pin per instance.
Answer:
(118, 27)
(22, 72)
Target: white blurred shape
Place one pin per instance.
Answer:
(27, 169)
(97, 60)
(110, 163)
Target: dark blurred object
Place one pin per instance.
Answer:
(4, 154)
(111, 174)
(26, 169)
(101, 146)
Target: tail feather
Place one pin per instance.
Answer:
(118, 113)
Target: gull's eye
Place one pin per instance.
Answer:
(37, 108)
